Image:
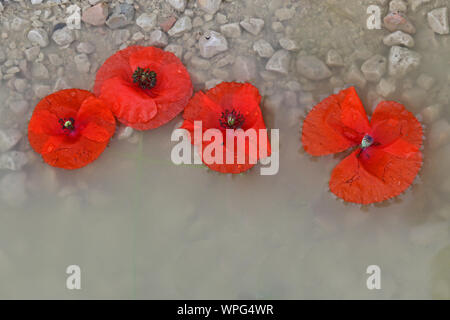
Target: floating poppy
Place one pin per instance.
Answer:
(233, 106)
(70, 128)
(386, 156)
(145, 87)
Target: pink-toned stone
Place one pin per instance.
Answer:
(168, 23)
(96, 15)
(395, 21)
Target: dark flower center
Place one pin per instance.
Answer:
(231, 119)
(68, 124)
(366, 142)
(145, 78)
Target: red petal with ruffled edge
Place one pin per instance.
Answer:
(208, 107)
(139, 108)
(335, 124)
(94, 125)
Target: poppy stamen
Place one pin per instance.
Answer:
(231, 119)
(67, 123)
(366, 142)
(145, 78)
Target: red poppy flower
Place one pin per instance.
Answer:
(229, 105)
(70, 128)
(145, 87)
(387, 157)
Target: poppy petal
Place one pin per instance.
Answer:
(391, 121)
(117, 65)
(376, 174)
(335, 124)
(132, 105)
(97, 120)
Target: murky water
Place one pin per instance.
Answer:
(141, 227)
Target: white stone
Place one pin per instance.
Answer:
(9, 138)
(415, 4)
(182, 25)
(402, 61)
(374, 68)
(398, 6)
(158, 39)
(13, 189)
(399, 38)
(312, 68)
(178, 5)
(147, 21)
(124, 132)
(231, 30)
(252, 25)
(438, 20)
(283, 14)
(38, 36)
(279, 62)
(263, 48)
(209, 6)
(212, 43)
(63, 36)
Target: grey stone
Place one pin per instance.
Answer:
(399, 38)
(82, 62)
(398, 6)
(209, 6)
(32, 53)
(212, 43)
(386, 87)
(355, 77)
(288, 44)
(244, 69)
(85, 47)
(178, 5)
(121, 36)
(252, 25)
(41, 90)
(263, 48)
(402, 61)
(415, 4)
(61, 84)
(181, 26)
(199, 63)
(158, 39)
(431, 113)
(425, 81)
(21, 85)
(439, 134)
(147, 21)
(283, 14)
(19, 106)
(39, 71)
(438, 20)
(38, 36)
(13, 189)
(2, 55)
(212, 83)
(231, 30)
(9, 138)
(124, 132)
(63, 36)
(13, 160)
(18, 24)
(176, 49)
(334, 59)
(122, 16)
(312, 68)
(279, 62)
(55, 59)
(374, 68)
(221, 18)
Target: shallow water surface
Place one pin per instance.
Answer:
(141, 227)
